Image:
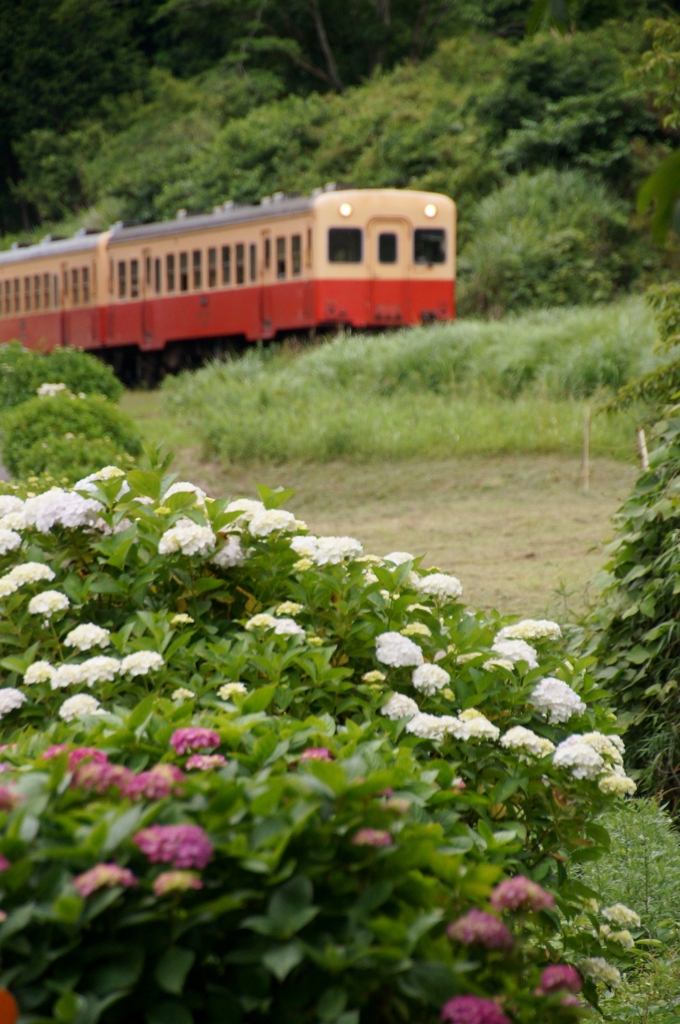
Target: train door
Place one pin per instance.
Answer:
(267, 277)
(79, 315)
(388, 259)
(147, 292)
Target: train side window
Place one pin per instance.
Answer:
(8, 297)
(226, 264)
(86, 286)
(280, 258)
(387, 247)
(37, 291)
(345, 245)
(267, 253)
(253, 262)
(157, 276)
(429, 245)
(170, 272)
(55, 282)
(240, 263)
(122, 279)
(148, 271)
(184, 272)
(309, 247)
(46, 290)
(212, 268)
(110, 277)
(296, 254)
(197, 265)
(75, 286)
(27, 294)
(134, 279)
(17, 295)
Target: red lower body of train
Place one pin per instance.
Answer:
(248, 312)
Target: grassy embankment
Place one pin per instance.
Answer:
(500, 504)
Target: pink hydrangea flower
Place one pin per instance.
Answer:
(99, 776)
(372, 837)
(176, 881)
(193, 738)
(205, 761)
(520, 893)
(472, 1010)
(4, 863)
(560, 976)
(159, 782)
(5, 766)
(183, 846)
(571, 1001)
(86, 754)
(316, 754)
(103, 876)
(54, 751)
(8, 799)
(478, 928)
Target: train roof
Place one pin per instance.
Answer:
(48, 246)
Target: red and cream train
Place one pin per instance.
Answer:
(353, 257)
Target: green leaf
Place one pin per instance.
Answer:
(258, 700)
(282, 959)
(68, 908)
(172, 969)
(274, 498)
(120, 971)
(143, 482)
(662, 190)
(169, 1012)
(290, 907)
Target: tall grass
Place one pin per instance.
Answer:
(470, 387)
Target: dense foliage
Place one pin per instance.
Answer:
(283, 775)
(23, 371)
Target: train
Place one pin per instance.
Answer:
(150, 298)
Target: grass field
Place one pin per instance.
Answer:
(515, 528)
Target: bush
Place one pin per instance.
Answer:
(67, 436)
(22, 371)
(228, 678)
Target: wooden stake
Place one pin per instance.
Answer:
(642, 448)
(585, 462)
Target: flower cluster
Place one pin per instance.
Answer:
(326, 550)
(103, 876)
(58, 507)
(531, 629)
(440, 586)
(188, 538)
(556, 700)
(397, 651)
(183, 846)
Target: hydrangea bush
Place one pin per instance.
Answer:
(249, 772)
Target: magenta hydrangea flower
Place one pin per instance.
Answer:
(4, 863)
(54, 751)
(183, 846)
(205, 761)
(372, 837)
(472, 1010)
(520, 893)
(176, 881)
(193, 738)
(316, 754)
(86, 754)
(98, 776)
(159, 782)
(8, 799)
(560, 976)
(103, 876)
(479, 929)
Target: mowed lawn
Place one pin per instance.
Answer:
(518, 530)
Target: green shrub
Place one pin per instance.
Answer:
(66, 436)
(22, 371)
(331, 844)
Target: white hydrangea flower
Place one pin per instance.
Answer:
(9, 541)
(473, 725)
(614, 784)
(623, 937)
(67, 675)
(187, 537)
(248, 507)
(7, 586)
(556, 700)
(399, 706)
(141, 663)
(228, 690)
(397, 651)
(79, 706)
(441, 586)
(263, 620)
(289, 608)
(621, 915)
(13, 521)
(326, 550)
(89, 483)
(39, 672)
(597, 968)
(10, 700)
(303, 564)
(9, 503)
(288, 627)
(514, 651)
(430, 727)
(531, 629)
(50, 390)
(419, 608)
(493, 663)
(463, 659)
(58, 507)
(87, 635)
(99, 669)
(230, 554)
(29, 572)
(399, 557)
(581, 757)
(181, 619)
(618, 743)
(416, 629)
(430, 678)
(48, 603)
(519, 738)
(181, 693)
(604, 746)
(375, 676)
(184, 487)
(262, 524)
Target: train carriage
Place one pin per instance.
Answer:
(362, 258)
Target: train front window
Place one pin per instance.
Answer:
(240, 263)
(197, 256)
(296, 254)
(170, 272)
(134, 279)
(345, 245)
(280, 258)
(429, 245)
(387, 247)
(122, 280)
(212, 268)
(184, 272)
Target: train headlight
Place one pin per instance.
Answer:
(430, 210)
(346, 210)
